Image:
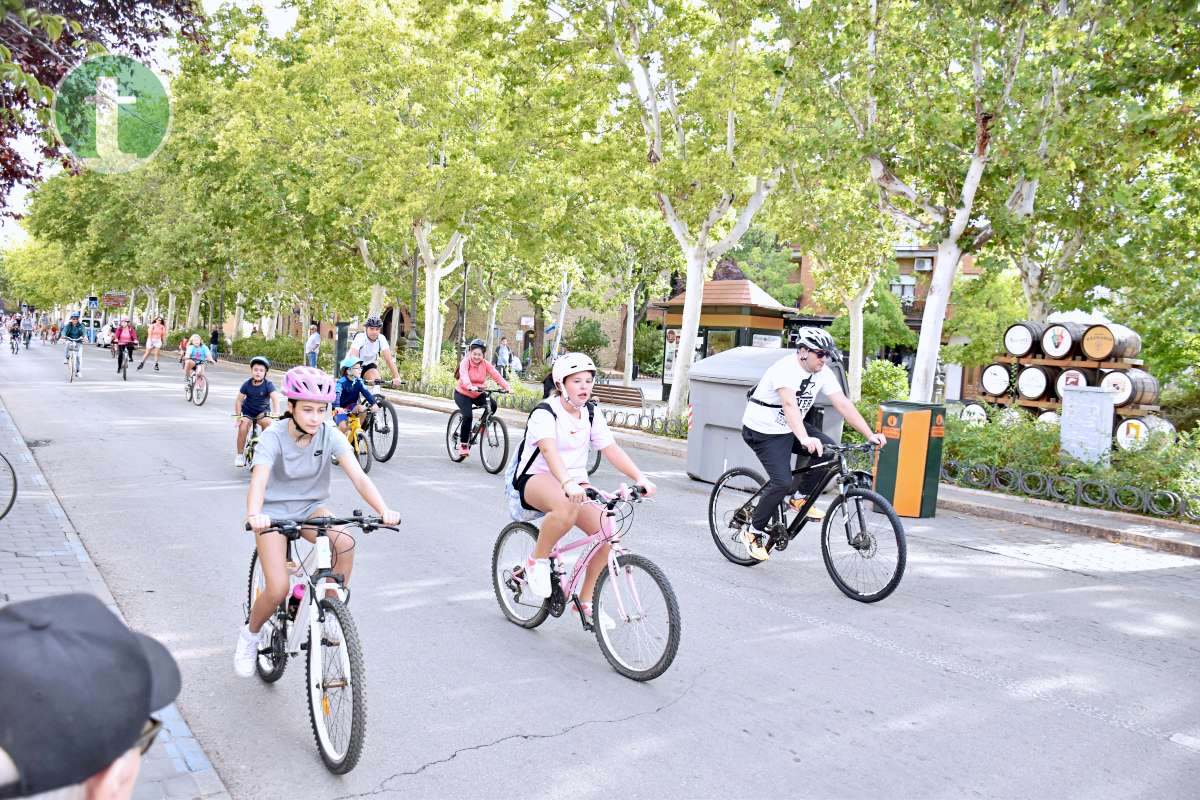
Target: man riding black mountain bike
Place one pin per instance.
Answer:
(773, 423)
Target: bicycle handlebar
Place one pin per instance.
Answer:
(632, 494)
(293, 526)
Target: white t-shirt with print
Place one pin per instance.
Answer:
(571, 435)
(367, 350)
(787, 373)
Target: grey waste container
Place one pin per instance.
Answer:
(718, 387)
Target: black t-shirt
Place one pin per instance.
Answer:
(258, 398)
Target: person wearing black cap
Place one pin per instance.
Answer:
(78, 691)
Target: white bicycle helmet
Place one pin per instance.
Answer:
(811, 338)
(568, 364)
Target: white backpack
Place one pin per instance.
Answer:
(518, 512)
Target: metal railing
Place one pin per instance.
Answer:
(1075, 491)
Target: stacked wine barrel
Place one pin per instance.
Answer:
(1044, 359)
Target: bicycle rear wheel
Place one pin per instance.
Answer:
(639, 604)
(452, 440)
(200, 390)
(514, 546)
(864, 550)
(493, 445)
(362, 451)
(8, 485)
(337, 701)
(271, 663)
(383, 431)
(730, 511)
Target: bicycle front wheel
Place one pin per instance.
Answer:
(493, 445)
(362, 451)
(8, 485)
(452, 440)
(514, 547)
(271, 663)
(864, 550)
(730, 510)
(337, 700)
(636, 618)
(200, 390)
(383, 431)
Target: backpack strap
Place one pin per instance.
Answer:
(521, 447)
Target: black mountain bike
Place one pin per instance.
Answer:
(489, 430)
(862, 540)
(380, 423)
(122, 362)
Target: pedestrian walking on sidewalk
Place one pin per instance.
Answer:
(214, 341)
(312, 347)
(79, 691)
(503, 357)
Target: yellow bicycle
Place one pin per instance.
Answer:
(358, 440)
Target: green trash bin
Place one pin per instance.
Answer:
(909, 465)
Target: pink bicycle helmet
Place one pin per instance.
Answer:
(308, 383)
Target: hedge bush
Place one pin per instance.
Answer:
(1181, 405)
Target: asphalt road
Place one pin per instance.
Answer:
(1012, 662)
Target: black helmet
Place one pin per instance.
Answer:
(261, 360)
(477, 343)
(374, 322)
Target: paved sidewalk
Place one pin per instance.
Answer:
(41, 554)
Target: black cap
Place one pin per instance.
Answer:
(78, 687)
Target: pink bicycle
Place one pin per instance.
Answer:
(635, 613)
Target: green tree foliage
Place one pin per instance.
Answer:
(586, 336)
(883, 325)
(764, 259)
(648, 348)
(984, 307)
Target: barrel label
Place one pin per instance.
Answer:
(1132, 434)
(1056, 341)
(1098, 342)
(1018, 340)
(1031, 383)
(995, 379)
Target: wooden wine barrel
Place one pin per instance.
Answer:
(1034, 383)
(1109, 340)
(1022, 338)
(1061, 339)
(995, 380)
(973, 413)
(1048, 418)
(1134, 432)
(1075, 376)
(1131, 387)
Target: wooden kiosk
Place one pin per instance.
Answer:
(734, 313)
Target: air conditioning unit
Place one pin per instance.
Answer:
(923, 264)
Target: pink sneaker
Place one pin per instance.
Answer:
(464, 449)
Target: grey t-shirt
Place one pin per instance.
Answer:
(300, 476)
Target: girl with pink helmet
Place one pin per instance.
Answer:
(290, 480)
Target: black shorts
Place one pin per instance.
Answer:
(519, 485)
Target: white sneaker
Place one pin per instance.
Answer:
(239, 460)
(537, 576)
(752, 540)
(245, 655)
(606, 622)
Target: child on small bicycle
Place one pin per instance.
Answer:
(556, 480)
(197, 353)
(773, 424)
(290, 480)
(349, 389)
(256, 403)
(472, 374)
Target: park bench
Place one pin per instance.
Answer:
(613, 395)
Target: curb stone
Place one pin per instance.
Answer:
(43, 555)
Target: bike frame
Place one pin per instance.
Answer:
(317, 582)
(75, 355)
(481, 425)
(835, 468)
(608, 534)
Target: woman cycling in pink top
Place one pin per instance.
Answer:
(472, 373)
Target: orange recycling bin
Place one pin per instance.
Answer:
(909, 465)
